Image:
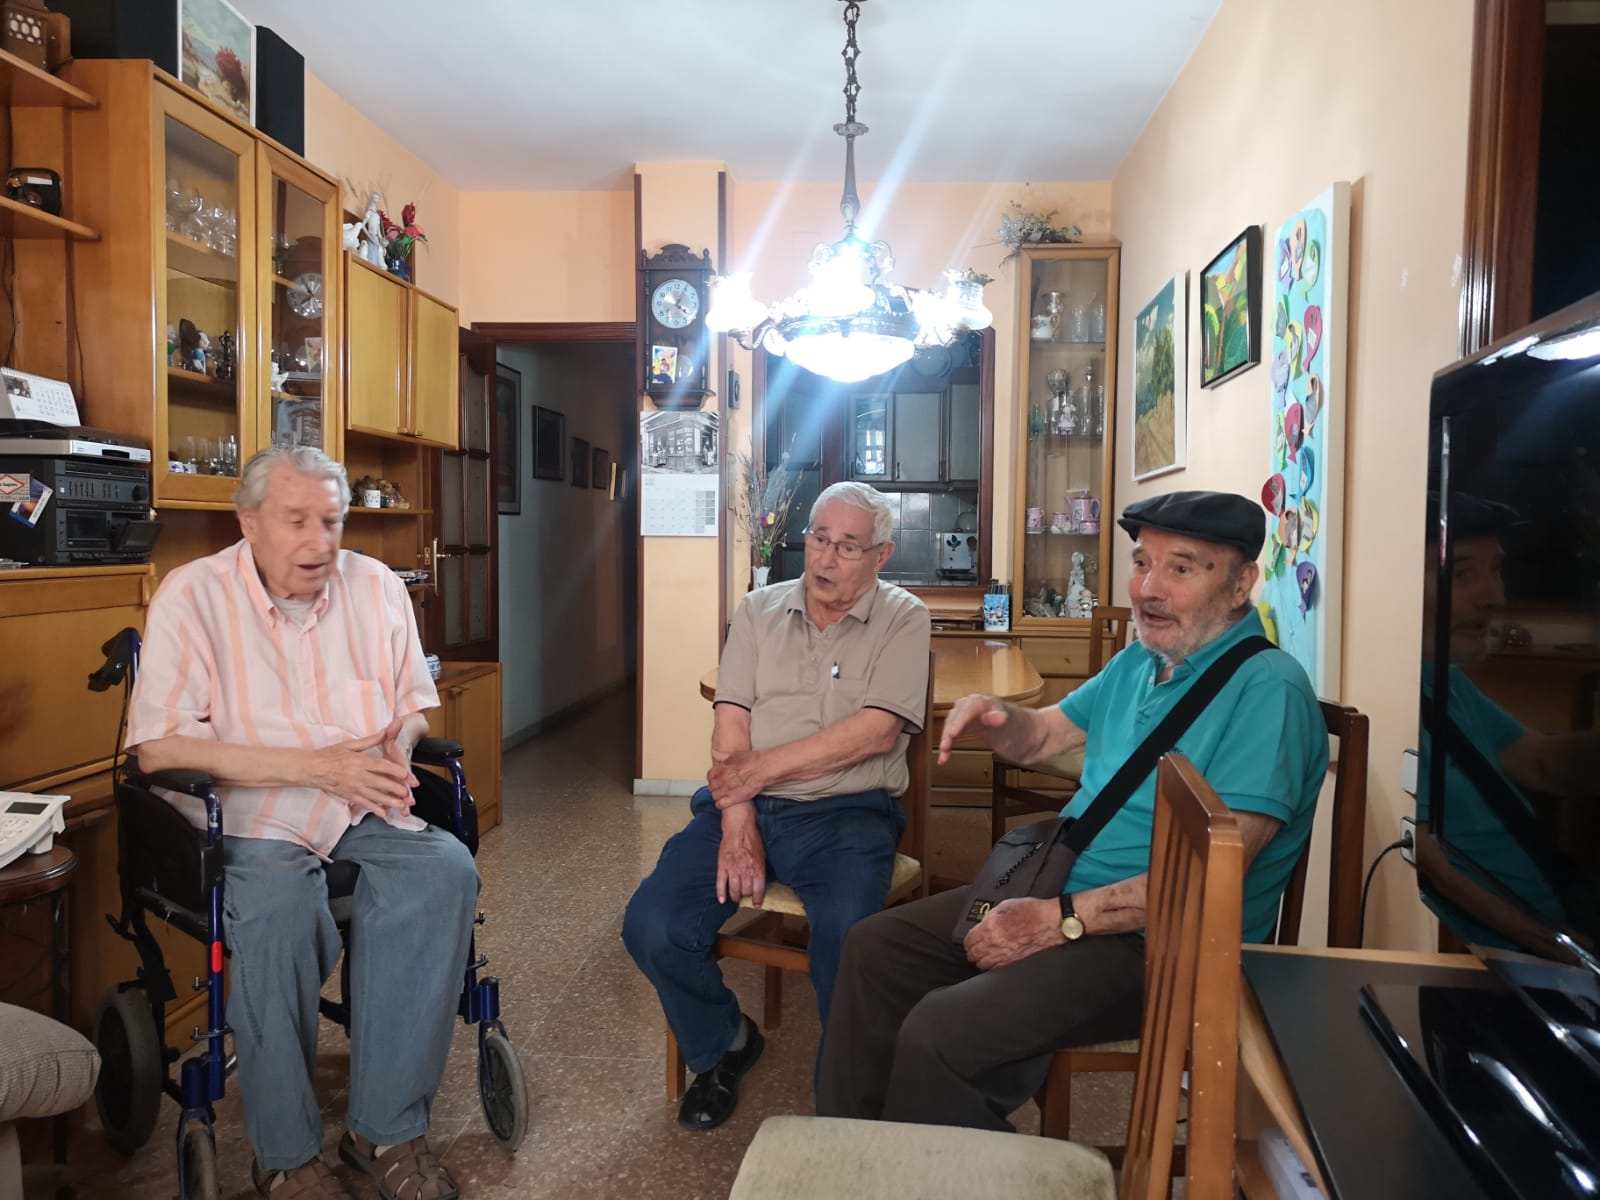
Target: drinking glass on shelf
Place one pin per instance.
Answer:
(1097, 321)
(1080, 324)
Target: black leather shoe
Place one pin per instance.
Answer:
(714, 1095)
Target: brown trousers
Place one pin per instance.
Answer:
(917, 1033)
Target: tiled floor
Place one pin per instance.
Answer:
(557, 875)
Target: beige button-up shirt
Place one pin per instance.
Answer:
(796, 679)
(220, 661)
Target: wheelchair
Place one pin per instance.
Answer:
(172, 871)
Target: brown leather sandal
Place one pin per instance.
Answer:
(309, 1181)
(407, 1171)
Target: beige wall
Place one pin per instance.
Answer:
(548, 256)
(1278, 101)
(344, 143)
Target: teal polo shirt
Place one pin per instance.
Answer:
(1261, 744)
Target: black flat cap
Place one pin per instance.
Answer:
(1221, 517)
(1471, 517)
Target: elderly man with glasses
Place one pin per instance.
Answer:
(821, 685)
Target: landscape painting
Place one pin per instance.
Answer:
(1160, 420)
(217, 54)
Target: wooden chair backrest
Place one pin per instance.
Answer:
(1109, 629)
(1346, 844)
(914, 841)
(1191, 998)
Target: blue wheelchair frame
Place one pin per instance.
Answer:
(202, 1078)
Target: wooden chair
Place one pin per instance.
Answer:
(1108, 633)
(1191, 1017)
(760, 935)
(1344, 914)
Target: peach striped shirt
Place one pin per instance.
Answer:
(220, 661)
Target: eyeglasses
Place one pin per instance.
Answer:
(848, 551)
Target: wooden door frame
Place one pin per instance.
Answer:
(1502, 170)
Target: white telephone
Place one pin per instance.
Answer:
(28, 824)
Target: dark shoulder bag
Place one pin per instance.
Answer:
(1035, 860)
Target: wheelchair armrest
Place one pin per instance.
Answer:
(191, 783)
(436, 751)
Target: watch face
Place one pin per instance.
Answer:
(675, 303)
(305, 297)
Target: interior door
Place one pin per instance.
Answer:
(463, 623)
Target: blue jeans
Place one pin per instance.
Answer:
(836, 853)
(411, 918)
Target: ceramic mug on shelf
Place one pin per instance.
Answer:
(1036, 518)
(1085, 512)
(372, 498)
(1060, 522)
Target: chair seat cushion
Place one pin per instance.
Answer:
(1128, 1047)
(824, 1158)
(780, 897)
(45, 1067)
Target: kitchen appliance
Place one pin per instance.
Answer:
(958, 555)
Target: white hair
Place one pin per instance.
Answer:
(308, 460)
(862, 496)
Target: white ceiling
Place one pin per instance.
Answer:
(535, 95)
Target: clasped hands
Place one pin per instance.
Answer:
(365, 782)
(1012, 930)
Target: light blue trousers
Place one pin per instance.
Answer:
(411, 920)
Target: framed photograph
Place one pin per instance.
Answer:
(549, 443)
(1230, 310)
(1160, 414)
(600, 469)
(580, 462)
(507, 442)
(217, 54)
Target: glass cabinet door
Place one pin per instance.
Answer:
(1067, 406)
(296, 254)
(204, 300)
(868, 437)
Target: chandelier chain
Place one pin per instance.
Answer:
(852, 51)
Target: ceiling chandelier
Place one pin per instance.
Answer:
(851, 323)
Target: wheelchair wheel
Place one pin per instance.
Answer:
(128, 1095)
(504, 1091)
(198, 1151)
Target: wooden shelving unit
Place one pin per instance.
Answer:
(199, 260)
(23, 85)
(192, 383)
(18, 220)
(363, 510)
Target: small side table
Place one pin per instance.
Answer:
(35, 877)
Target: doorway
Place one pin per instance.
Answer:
(566, 469)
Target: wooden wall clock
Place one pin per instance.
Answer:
(675, 370)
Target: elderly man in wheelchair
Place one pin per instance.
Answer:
(288, 673)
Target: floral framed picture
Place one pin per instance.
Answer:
(217, 55)
(1230, 310)
(600, 469)
(507, 442)
(580, 462)
(549, 443)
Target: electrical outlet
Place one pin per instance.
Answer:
(1408, 839)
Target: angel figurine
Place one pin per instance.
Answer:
(1080, 601)
(372, 226)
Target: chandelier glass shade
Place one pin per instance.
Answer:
(851, 322)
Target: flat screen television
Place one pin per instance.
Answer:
(1508, 782)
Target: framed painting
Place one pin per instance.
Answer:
(1160, 414)
(1230, 310)
(217, 55)
(1302, 569)
(549, 443)
(507, 446)
(600, 469)
(580, 462)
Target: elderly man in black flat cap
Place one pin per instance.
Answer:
(932, 1029)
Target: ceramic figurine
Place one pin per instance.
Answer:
(1080, 601)
(372, 227)
(352, 236)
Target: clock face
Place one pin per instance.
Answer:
(675, 303)
(305, 297)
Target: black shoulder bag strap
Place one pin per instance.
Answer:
(1079, 833)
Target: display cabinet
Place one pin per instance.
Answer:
(1062, 513)
(236, 242)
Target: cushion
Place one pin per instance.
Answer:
(825, 1158)
(780, 897)
(45, 1067)
(1128, 1047)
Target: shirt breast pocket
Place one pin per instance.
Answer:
(361, 708)
(842, 698)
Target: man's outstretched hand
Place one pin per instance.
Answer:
(973, 714)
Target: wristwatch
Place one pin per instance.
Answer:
(1071, 923)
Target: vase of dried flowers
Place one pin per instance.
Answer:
(765, 497)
